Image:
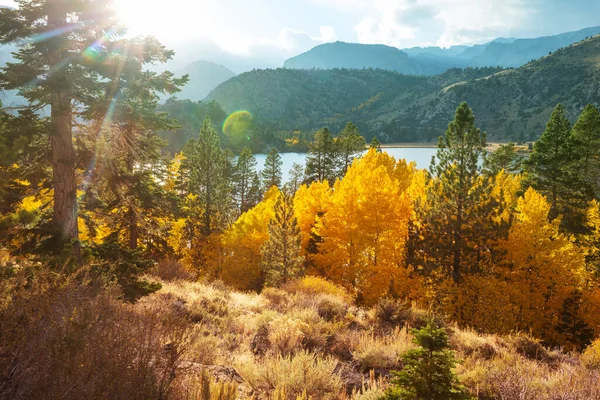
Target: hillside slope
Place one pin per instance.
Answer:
(509, 104)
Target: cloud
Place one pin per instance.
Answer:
(405, 23)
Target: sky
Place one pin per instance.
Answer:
(274, 30)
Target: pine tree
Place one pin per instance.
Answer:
(282, 258)
(244, 177)
(427, 372)
(546, 169)
(321, 161)
(296, 178)
(60, 71)
(125, 144)
(504, 158)
(457, 190)
(271, 174)
(208, 178)
(349, 145)
(584, 168)
(375, 144)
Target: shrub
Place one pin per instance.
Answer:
(171, 270)
(382, 353)
(285, 335)
(314, 285)
(67, 341)
(301, 372)
(591, 355)
(277, 298)
(391, 311)
(203, 386)
(331, 308)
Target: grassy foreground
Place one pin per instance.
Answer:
(193, 340)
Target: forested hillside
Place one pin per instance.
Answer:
(510, 104)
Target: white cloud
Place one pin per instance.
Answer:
(405, 23)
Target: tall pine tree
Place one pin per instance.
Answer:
(349, 145)
(244, 177)
(282, 258)
(546, 170)
(321, 163)
(271, 174)
(60, 45)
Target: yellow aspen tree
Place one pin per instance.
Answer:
(545, 267)
(241, 243)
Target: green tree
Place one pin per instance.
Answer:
(504, 158)
(546, 170)
(457, 190)
(296, 178)
(127, 149)
(427, 373)
(321, 160)
(244, 177)
(282, 257)
(584, 167)
(61, 44)
(271, 174)
(375, 144)
(349, 145)
(208, 178)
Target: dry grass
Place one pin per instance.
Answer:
(307, 340)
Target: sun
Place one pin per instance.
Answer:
(164, 18)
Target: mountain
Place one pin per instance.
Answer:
(520, 51)
(504, 52)
(509, 104)
(204, 77)
(354, 56)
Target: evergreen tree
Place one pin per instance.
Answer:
(546, 169)
(208, 178)
(457, 191)
(282, 258)
(584, 168)
(427, 372)
(375, 144)
(349, 145)
(504, 158)
(296, 178)
(321, 160)
(244, 176)
(128, 163)
(271, 173)
(61, 72)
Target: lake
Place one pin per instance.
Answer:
(420, 155)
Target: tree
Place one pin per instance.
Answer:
(296, 178)
(363, 232)
(244, 178)
(584, 167)
(208, 178)
(282, 258)
(128, 164)
(546, 169)
(321, 160)
(271, 173)
(504, 158)
(59, 71)
(456, 191)
(349, 144)
(375, 144)
(427, 372)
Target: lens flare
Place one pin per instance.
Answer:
(237, 123)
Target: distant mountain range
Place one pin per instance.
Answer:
(435, 60)
(509, 104)
(204, 76)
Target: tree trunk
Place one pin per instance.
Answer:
(63, 152)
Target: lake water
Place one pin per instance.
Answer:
(422, 156)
